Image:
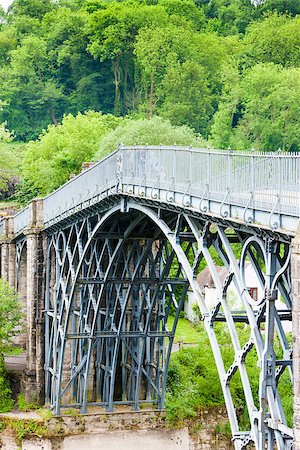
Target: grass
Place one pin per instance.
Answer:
(185, 331)
(193, 381)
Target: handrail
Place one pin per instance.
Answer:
(270, 180)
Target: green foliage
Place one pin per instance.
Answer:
(141, 132)
(224, 428)
(226, 69)
(9, 158)
(264, 107)
(32, 8)
(46, 414)
(193, 381)
(60, 151)
(25, 428)
(188, 99)
(172, 58)
(10, 317)
(232, 17)
(25, 406)
(185, 331)
(275, 39)
(6, 400)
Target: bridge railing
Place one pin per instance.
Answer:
(82, 190)
(265, 181)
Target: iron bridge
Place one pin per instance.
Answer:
(126, 239)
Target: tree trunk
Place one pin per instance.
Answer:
(151, 96)
(117, 80)
(53, 117)
(284, 136)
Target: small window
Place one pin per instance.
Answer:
(253, 291)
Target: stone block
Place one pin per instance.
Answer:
(36, 444)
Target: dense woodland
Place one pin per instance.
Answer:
(79, 76)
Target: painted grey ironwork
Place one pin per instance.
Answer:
(262, 188)
(125, 240)
(110, 296)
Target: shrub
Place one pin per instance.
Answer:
(193, 380)
(25, 406)
(6, 400)
(153, 131)
(10, 317)
(61, 150)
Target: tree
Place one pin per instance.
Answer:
(9, 159)
(10, 318)
(31, 97)
(228, 112)
(191, 90)
(187, 96)
(233, 16)
(156, 49)
(187, 10)
(60, 151)
(154, 131)
(32, 8)
(265, 106)
(112, 29)
(275, 39)
(7, 44)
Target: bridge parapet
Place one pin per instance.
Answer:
(249, 187)
(29, 218)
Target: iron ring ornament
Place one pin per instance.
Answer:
(258, 244)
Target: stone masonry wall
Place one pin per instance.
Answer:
(144, 430)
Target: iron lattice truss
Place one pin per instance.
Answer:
(114, 278)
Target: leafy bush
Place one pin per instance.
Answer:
(25, 406)
(153, 131)
(9, 161)
(61, 150)
(10, 317)
(193, 380)
(6, 400)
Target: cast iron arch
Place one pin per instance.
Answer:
(265, 417)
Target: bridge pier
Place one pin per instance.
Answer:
(296, 334)
(8, 252)
(22, 265)
(33, 378)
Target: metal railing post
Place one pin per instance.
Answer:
(208, 181)
(279, 159)
(190, 164)
(230, 174)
